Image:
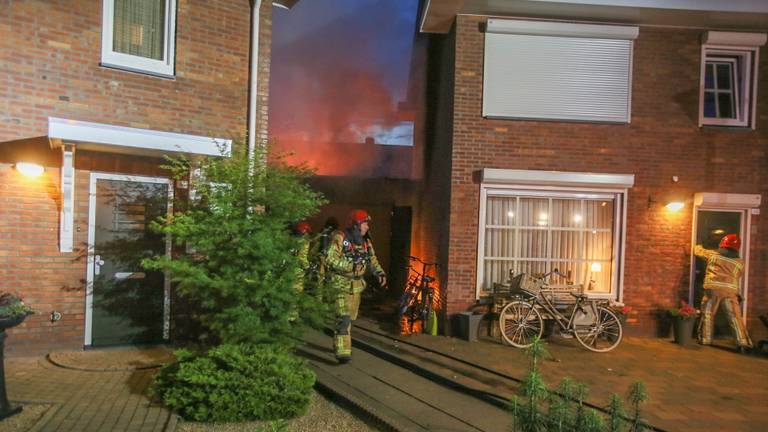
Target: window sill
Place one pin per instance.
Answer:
(137, 71)
(745, 128)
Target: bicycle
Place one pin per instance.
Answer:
(418, 296)
(593, 324)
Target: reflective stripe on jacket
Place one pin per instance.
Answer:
(722, 272)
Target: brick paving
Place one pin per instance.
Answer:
(692, 388)
(87, 400)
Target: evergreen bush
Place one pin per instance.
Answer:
(235, 258)
(236, 383)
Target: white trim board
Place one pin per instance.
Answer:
(121, 139)
(726, 200)
(95, 176)
(557, 178)
(545, 28)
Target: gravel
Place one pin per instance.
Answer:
(323, 415)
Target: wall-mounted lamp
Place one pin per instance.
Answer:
(29, 169)
(672, 206)
(675, 206)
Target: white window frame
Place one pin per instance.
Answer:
(110, 58)
(743, 50)
(619, 197)
(743, 64)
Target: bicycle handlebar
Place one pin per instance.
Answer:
(417, 259)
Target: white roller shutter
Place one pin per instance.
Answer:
(554, 71)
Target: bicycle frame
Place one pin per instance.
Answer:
(541, 301)
(418, 296)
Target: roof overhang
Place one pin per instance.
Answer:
(438, 15)
(135, 141)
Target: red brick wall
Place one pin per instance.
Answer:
(662, 140)
(49, 67)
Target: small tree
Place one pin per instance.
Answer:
(636, 396)
(616, 413)
(240, 263)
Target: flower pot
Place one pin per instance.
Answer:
(683, 330)
(7, 321)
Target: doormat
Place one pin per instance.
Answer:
(113, 359)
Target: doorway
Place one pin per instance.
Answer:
(710, 225)
(125, 303)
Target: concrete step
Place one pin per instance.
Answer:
(397, 397)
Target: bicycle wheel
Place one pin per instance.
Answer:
(603, 335)
(520, 323)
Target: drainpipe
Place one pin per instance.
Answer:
(254, 78)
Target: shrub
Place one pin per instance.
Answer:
(241, 266)
(236, 383)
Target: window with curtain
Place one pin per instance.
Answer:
(139, 27)
(138, 35)
(536, 233)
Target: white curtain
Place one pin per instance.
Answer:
(139, 28)
(538, 234)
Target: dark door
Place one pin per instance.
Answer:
(400, 247)
(128, 301)
(711, 226)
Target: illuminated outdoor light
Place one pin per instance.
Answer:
(511, 214)
(543, 216)
(596, 267)
(675, 206)
(577, 218)
(603, 204)
(718, 232)
(29, 169)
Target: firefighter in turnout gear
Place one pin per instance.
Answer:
(302, 230)
(721, 286)
(350, 256)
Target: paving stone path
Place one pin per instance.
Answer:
(85, 401)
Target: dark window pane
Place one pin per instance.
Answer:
(709, 73)
(724, 74)
(709, 105)
(725, 103)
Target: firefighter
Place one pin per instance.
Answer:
(320, 255)
(721, 286)
(302, 230)
(350, 256)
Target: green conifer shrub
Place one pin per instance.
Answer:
(236, 383)
(235, 257)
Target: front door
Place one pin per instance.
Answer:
(710, 227)
(127, 304)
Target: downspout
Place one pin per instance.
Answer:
(254, 78)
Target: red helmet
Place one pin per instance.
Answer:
(302, 227)
(358, 216)
(731, 241)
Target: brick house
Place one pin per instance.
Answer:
(559, 134)
(96, 93)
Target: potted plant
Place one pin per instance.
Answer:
(13, 312)
(683, 319)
